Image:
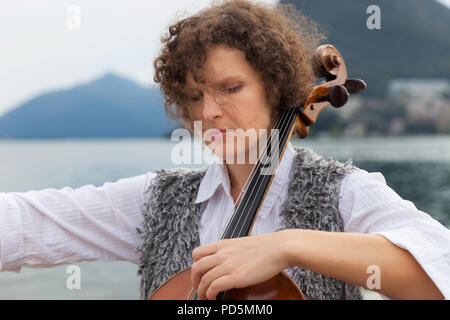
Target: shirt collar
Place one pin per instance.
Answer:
(217, 175)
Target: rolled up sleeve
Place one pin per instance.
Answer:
(368, 205)
(11, 234)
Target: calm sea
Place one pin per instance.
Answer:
(417, 168)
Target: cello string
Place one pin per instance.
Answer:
(257, 183)
(259, 186)
(230, 218)
(239, 203)
(251, 177)
(245, 203)
(285, 120)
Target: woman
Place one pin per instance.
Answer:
(236, 66)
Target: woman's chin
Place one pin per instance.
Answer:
(233, 153)
(237, 156)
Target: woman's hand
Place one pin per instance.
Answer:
(237, 263)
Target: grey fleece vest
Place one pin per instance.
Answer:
(171, 218)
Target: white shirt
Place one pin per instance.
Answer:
(50, 227)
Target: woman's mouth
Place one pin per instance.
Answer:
(220, 133)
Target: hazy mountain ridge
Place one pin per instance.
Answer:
(108, 107)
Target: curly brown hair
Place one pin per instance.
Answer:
(278, 41)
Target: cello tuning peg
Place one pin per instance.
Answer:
(355, 85)
(337, 96)
(320, 70)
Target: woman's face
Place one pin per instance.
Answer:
(231, 104)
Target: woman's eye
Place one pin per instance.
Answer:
(234, 89)
(195, 97)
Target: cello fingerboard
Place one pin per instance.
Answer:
(247, 208)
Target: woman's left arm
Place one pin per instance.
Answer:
(358, 258)
(384, 236)
(241, 262)
(369, 206)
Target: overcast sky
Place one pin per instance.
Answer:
(42, 48)
(446, 2)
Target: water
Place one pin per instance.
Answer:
(417, 168)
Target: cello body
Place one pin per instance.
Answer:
(280, 287)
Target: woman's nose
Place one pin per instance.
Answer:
(211, 109)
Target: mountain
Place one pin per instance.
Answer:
(413, 41)
(108, 107)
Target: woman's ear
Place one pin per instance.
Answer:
(188, 124)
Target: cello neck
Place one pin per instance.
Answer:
(249, 204)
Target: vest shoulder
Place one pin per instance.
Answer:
(179, 173)
(307, 158)
(175, 180)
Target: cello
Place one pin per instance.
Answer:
(329, 65)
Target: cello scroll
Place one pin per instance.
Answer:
(329, 64)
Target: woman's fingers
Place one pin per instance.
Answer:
(223, 283)
(207, 279)
(244, 261)
(201, 267)
(204, 250)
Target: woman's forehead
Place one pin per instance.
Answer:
(216, 79)
(222, 64)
